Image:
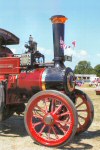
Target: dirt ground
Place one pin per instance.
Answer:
(13, 135)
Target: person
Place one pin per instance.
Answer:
(32, 46)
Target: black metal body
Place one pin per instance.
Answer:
(58, 35)
(58, 41)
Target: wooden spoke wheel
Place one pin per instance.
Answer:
(2, 101)
(85, 111)
(42, 118)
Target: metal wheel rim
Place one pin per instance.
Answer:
(38, 136)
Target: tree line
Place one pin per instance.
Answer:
(84, 67)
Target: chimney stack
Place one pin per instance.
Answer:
(58, 22)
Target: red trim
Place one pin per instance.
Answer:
(25, 80)
(2, 77)
(9, 65)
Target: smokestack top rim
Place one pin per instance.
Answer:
(58, 19)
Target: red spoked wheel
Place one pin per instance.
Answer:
(85, 111)
(43, 120)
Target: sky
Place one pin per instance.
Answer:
(32, 17)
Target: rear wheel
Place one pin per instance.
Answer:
(5, 111)
(85, 111)
(2, 101)
(43, 120)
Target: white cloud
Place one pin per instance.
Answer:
(80, 55)
(69, 52)
(83, 53)
(13, 50)
(76, 53)
(45, 51)
(98, 55)
(48, 53)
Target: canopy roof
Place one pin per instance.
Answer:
(7, 38)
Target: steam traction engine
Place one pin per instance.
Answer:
(56, 111)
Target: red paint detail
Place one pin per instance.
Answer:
(37, 135)
(2, 78)
(25, 80)
(12, 80)
(30, 79)
(9, 65)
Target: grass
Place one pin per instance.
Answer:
(86, 85)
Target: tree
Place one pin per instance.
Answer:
(84, 67)
(97, 70)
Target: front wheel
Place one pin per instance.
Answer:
(43, 118)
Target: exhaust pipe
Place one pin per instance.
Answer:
(58, 39)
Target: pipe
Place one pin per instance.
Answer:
(58, 39)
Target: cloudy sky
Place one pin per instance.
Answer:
(25, 17)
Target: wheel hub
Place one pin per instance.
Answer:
(48, 119)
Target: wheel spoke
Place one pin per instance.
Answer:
(79, 124)
(64, 114)
(49, 133)
(64, 122)
(53, 129)
(43, 111)
(68, 123)
(58, 109)
(38, 113)
(42, 129)
(62, 128)
(85, 110)
(36, 124)
(46, 107)
(79, 104)
(38, 116)
(81, 117)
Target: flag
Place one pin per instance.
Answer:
(62, 44)
(74, 43)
